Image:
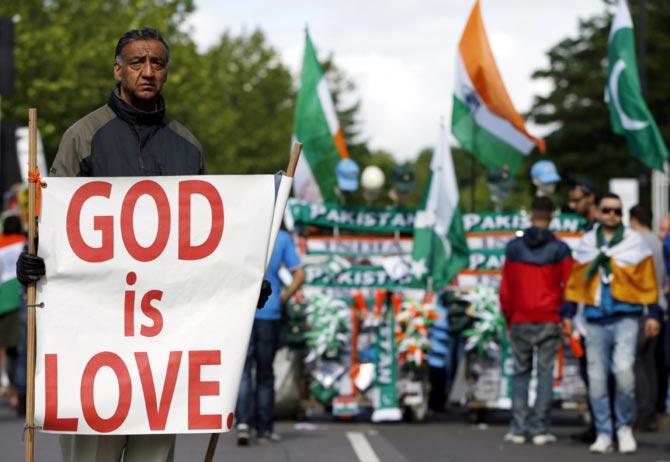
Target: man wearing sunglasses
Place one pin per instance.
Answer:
(614, 277)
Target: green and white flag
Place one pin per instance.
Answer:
(440, 249)
(317, 128)
(10, 288)
(629, 114)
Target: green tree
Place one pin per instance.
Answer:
(64, 54)
(238, 100)
(582, 143)
(236, 97)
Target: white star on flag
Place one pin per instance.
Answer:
(418, 268)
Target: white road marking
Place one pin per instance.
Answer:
(362, 447)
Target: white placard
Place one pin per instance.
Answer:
(150, 294)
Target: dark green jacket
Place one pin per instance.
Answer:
(119, 140)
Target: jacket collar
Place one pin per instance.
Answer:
(134, 116)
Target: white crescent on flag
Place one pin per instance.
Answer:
(627, 122)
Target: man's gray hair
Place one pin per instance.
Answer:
(140, 34)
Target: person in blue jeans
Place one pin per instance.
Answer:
(537, 266)
(614, 277)
(255, 404)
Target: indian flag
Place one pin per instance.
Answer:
(317, 128)
(483, 118)
(10, 288)
(440, 250)
(633, 278)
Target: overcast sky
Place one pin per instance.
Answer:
(401, 53)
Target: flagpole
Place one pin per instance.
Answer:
(642, 46)
(473, 173)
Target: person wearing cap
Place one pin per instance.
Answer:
(583, 200)
(346, 173)
(545, 177)
(403, 183)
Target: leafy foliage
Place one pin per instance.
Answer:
(582, 143)
(236, 97)
(65, 53)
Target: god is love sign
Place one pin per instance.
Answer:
(149, 299)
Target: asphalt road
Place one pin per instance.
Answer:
(448, 439)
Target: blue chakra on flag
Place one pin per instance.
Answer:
(471, 98)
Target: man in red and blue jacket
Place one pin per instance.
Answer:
(537, 267)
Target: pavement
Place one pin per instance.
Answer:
(445, 439)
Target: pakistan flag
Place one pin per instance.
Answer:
(629, 114)
(440, 249)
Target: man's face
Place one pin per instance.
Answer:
(610, 212)
(142, 71)
(579, 202)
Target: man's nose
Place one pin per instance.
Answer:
(147, 69)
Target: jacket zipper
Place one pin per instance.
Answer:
(139, 148)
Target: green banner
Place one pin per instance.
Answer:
(354, 277)
(385, 400)
(375, 220)
(487, 222)
(350, 217)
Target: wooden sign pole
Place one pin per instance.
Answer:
(290, 171)
(32, 235)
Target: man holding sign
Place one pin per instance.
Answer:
(131, 136)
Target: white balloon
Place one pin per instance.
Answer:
(372, 177)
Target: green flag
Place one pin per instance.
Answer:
(629, 114)
(317, 128)
(440, 249)
(10, 288)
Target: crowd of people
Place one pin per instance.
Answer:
(609, 293)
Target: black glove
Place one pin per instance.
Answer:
(266, 291)
(29, 268)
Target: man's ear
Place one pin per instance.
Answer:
(117, 72)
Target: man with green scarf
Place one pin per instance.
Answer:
(614, 277)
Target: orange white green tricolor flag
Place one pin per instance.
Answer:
(483, 118)
(10, 288)
(632, 280)
(317, 128)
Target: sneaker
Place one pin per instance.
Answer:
(243, 435)
(627, 444)
(274, 437)
(603, 445)
(513, 438)
(544, 438)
